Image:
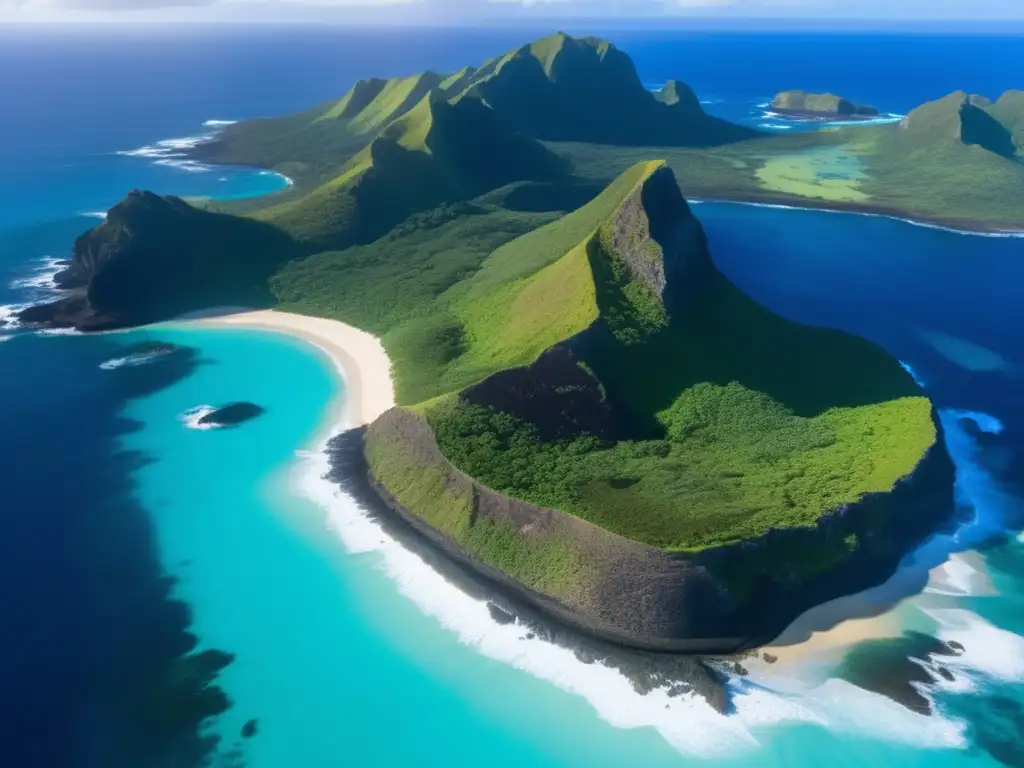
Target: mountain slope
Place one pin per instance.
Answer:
(559, 88)
(563, 88)
(157, 257)
(645, 450)
(436, 152)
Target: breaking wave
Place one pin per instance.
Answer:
(191, 417)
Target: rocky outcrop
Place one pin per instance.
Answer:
(820, 105)
(557, 393)
(156, 257)
(651, 260)
(232, 415)
(510, 602)
(717, 601)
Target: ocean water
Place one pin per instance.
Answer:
(126, 529)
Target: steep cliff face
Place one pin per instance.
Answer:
(967, 119)
(684, 473)
(155, 257)
(723, 600)
(819, 104)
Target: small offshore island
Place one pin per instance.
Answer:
(820, 106)
(590, 416)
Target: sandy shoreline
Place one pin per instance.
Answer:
(365, 368)
(359, 358)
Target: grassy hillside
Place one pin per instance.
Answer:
(434, 153)
(314, 144)
(726, 420)
(956, 161)
(557, 88)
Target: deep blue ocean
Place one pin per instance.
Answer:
(152, 574)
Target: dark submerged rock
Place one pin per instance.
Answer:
(232, 415)
(250, 729)
(895, 667)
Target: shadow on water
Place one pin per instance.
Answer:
(97, 667)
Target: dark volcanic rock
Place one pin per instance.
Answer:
(250, 729)
(647, 671)
(157, 257)
(895, 667)
(500, 615)
(232, 415)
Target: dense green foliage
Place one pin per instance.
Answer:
(743, 422)
(547, 563)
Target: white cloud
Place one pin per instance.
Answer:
(418, 11)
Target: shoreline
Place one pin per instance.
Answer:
(358, 358)
(367, 392)
(878, 212)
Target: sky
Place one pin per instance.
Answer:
(504, 11)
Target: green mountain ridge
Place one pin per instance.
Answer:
(970, 120)
(558, 88)
(589, 412)
(609, 416)
(437, 152)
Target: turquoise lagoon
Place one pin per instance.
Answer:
(351, 651)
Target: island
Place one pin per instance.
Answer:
(231, 415)
(587, 415)
(820, 106)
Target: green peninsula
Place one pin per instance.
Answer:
(590, 415)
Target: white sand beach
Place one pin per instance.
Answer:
(358, 356)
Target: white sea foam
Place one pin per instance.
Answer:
(219, 123)
(9, 315)
(287, 179)
(688, 723)
(880, 120)
(958, 579)
(94, 214)
(191, 166)
(913, 374)
(5, 338)
(58, 332)
(191, 417)
(174, 152)
(994, 652)
(132, 361)
(775, 126)
(39, 285)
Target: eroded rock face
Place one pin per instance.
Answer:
(232, 415)
(557, 393)
(719, 601)
(819, 105)
(157, 257)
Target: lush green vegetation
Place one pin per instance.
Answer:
(743, 422)
(548, 563)
(436, 219)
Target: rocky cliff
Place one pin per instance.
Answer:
(156, 257)
(825, 105)
(657, 289)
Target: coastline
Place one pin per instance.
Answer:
(358, 358)
(952, 226)
(362, 364)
